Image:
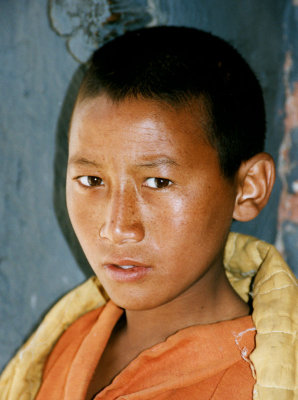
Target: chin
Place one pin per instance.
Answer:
(133, 300)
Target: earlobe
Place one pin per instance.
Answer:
(255, 179)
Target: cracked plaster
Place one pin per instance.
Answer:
(87, 24)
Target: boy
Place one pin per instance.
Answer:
(165, 150)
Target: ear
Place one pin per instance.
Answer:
(255, 179)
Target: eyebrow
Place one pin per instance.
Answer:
(157, 163)
(74, 160)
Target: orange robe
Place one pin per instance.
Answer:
(200, 362)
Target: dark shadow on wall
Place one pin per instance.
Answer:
(60, 164)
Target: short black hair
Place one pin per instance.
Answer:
(177, 65)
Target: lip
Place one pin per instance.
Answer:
(136, 273)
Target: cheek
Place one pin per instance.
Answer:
(83, 220)
(171, 228)
(194, 225)
(75, 207)
(180, 215)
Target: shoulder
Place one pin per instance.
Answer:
(71, 339)
(253, 264)
(25, 370)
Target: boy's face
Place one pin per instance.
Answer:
(144, 189)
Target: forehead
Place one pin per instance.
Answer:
(138, 126)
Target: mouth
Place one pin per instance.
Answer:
(125, 266)
(126, 271)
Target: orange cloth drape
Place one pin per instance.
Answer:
(200, 362)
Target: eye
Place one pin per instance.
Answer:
(90, 181)
(158, 183)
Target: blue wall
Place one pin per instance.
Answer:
(39, 256)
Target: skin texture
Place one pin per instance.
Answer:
(177, 231)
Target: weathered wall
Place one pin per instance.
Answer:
(287, 233)
(39, 256)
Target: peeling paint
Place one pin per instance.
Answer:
(291, 120)
(288, 209)
(158, 16)
(287, 166)
(86, 25)
(295, 187)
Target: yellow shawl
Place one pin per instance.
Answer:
(251, 265)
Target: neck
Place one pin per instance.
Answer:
(209, 300)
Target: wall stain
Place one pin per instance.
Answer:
(87, 24)
(288, 162)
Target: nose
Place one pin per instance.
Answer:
(122, 222)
